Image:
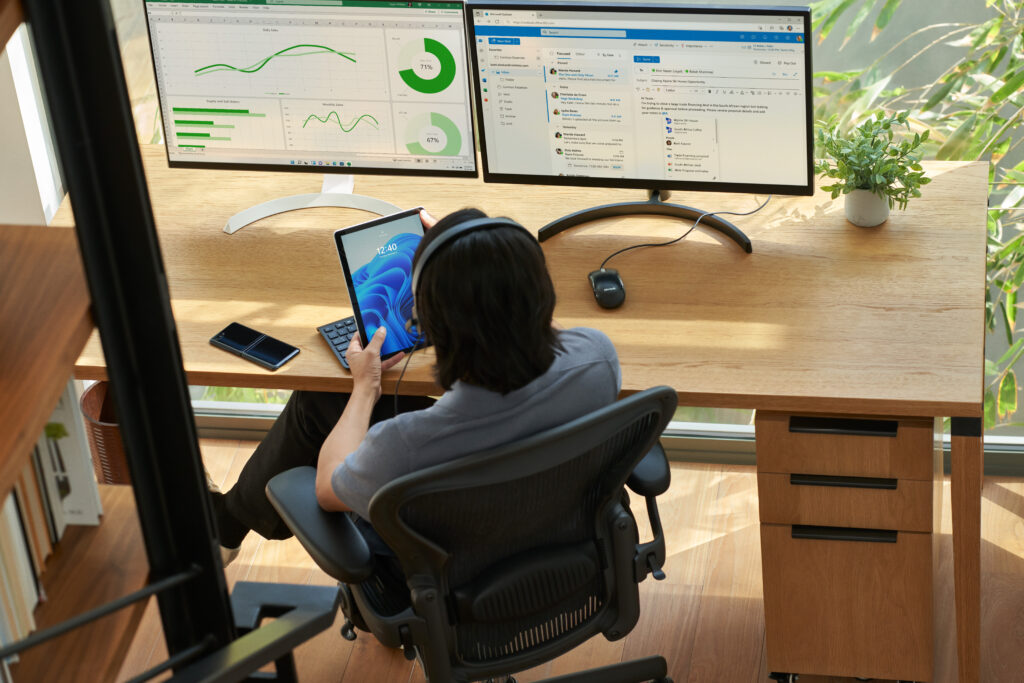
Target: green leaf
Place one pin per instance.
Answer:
(1014, 198)
(55, 430)
(884, 16)
(858, 19)
(1013, 84)
(831, 19)
(830, 76)
(1013, 352)
(990, 409)
(1011, 246)
(1018, 278)
(1007, 403)
(1011, 308)
(991, 368)
(1006, 322)
(940, 94)
(957, 143)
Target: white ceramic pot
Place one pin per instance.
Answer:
(866, 209)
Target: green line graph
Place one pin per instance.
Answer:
(337, 119)
(310, 49)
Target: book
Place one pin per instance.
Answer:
(67, 448)
(20, 498)
(33, 564)
(18, 566)
(35, 515)
(14, 601)
(47, 474)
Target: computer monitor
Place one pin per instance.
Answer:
(360, 86)
(657, 97)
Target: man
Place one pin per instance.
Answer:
(485, 301)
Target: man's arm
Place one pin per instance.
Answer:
(351, 428)
(354, 422)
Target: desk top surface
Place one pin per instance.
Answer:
(823, 316)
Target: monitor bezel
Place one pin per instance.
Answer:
(288, 168)
(489, 176)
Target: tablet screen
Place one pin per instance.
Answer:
(377, 257)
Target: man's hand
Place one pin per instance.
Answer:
(366, 365)
(427, 220)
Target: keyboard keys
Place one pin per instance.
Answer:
(338, 336)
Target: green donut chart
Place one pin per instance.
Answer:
(441, 80)
(416, 132)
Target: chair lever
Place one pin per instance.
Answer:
(655, 571)
(408, 648)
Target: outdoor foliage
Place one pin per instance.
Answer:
(245, 395)
(868, 158)
(972, 110)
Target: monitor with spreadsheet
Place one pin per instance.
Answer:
(367, 86)
(644, 96)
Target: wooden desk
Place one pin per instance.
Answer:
(823, 317)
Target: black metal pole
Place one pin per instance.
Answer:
(82, 75)
(40, 637)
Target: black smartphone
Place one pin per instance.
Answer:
(255, 346)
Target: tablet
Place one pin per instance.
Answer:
(377, 259)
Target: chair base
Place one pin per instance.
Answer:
(634, 671)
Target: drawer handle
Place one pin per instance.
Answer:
(838, 533)
(843, 482)
(842, 425)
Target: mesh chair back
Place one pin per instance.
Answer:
(516, 537)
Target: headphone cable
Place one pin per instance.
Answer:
(692, 228)
(402, 374)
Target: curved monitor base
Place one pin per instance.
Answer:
(653, 206)
(306, 201)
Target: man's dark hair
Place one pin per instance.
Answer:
(485, 302)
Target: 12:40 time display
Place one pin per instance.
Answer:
(387, 249)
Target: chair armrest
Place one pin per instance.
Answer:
(330, 538)
(651, 476)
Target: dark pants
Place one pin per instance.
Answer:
(294, 441)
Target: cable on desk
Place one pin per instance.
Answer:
(692, 228)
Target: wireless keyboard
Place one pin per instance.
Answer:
(338, 335)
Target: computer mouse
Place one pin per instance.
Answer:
(608, 288)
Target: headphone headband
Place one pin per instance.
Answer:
(453, 233)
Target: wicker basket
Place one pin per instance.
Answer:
(108, 457)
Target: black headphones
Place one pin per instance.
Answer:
(448, 236)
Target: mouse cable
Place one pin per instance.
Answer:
(401, 375)
(692, 228)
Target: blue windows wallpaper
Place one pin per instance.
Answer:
(384, 291)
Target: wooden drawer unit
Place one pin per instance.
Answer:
(849, 507)
(888, 447)
(830, 500)
(859, 606)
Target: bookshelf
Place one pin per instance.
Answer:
(91, 565)
(45, 318)
(44, 313)
(10, 19)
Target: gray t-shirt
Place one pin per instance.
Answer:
(468, 419)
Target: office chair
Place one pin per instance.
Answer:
(512, 556)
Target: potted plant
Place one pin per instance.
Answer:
(872, 165)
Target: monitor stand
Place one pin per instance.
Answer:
(655, 205)
(336, 192)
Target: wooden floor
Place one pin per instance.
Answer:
(706, 618)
